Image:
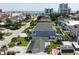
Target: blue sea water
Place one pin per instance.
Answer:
(35, 11)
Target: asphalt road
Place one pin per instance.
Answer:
(44, 28)
(37, 45)
(40, 35)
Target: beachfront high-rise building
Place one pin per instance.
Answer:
(64, 9)
(49, 10)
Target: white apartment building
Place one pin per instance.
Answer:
(72, 26)
(64, 9)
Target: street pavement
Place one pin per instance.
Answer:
(40, 35)
(44, 28)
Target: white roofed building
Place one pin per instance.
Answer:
(67, 43)
(71, 26)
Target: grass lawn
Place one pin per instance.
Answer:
(8, 34)
(23, 41)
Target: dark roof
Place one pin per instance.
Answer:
(66, 47)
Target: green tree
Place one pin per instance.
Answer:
(59, 41)
(4, 48)
(28, 31)
(32, 23)
(58, 30)
(1, 35)
(14, 39)
(49, 48)
(53, 18)
(26, 38)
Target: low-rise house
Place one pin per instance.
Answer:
(67, 43)
(13, 17)
(17, 18)
(15, 14)
(67, 48)
(75, 16)
(76, 46)
(3, 16)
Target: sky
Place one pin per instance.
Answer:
(34, 6)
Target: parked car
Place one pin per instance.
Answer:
(51, 37)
